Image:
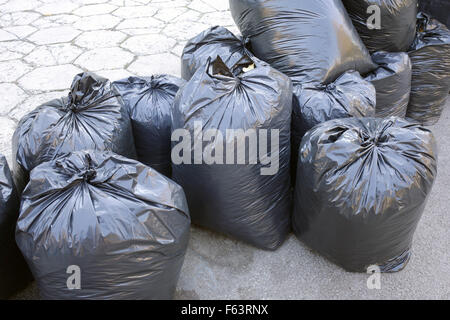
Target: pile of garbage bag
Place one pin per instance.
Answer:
(313, 120)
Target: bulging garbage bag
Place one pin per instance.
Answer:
(149, 101)
(14, 273)
(438, 9)
(91, 117)
(105, 225)
(349, 96)
(231, 150)
(384, 25)
(362, 185)
(310, 41)
(213, 42)
(392, 81)
(430, 58)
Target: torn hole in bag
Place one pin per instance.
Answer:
(219, 68)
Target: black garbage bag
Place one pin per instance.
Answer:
(362, 185)
(213, 42)
(96, 225)
(149, 101)
(349, 96)
(14, 272)
(91, 117)
(439, 9)
(397, 23)
(231, 150)
(392, 81)
(430, 58)
(310, 41)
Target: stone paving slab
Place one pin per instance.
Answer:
(44, 43)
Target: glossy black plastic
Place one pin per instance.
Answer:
(440, 9)
(430, 58)
(91, 117)
(397, 23)
(362, 185)
(349, 96)
(392, 81)
(14, 273)
(310, 41)
(237, 199)
(149, 101)
(123, 225)
(211, 43)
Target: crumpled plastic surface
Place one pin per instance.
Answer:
(14, 273)
(362, 185)
(310, 41)
(237, 199)
(430, 58)
(349, 96)
(392, 81)
(397, 23)
(149, 101)
(213, 42)
(439, 9)
(91, 117)
(123, 224)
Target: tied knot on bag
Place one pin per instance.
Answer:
(71, 104)
(370, 140)
(331, 86)
(89, 173)
(76, 173)
(326, 87)
(152, 83)
(246, 44)
(378, 137)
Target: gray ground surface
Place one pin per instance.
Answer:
(44, 43)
